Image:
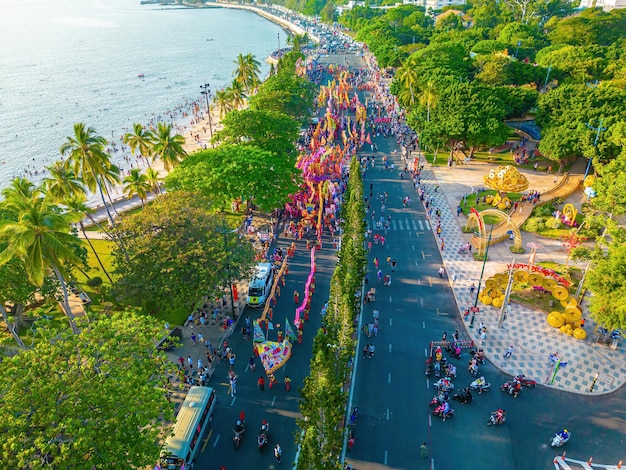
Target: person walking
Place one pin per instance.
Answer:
(441, 272)
(233, 386)
(261, 383)
(251, 364)
(296, 297)
(508, 352)
(287, 383)
(424, 451)
(472, 288)
(376, 263)
(393, 265)
(193, 339)
(190, 361)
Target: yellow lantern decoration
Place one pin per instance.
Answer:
(555, 319)
(580, 333)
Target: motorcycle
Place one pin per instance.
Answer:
(455, 353)
(463, 396)
(444, 385)
(237, 437)
(263, 436)
(480, 384)
(451, 371)
(438, 400)
(511, 388)
(439, 412)
(558, 440)
(474, 353)
(429, 367)
(494, 420)
(473, 370)
(521, 378)
(278, 453)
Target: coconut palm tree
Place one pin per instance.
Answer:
(88, 160)
(136, 183)
(168, 147)
(237, 94)
(223, 102)
(62, 183)
(77, 205)
(141, 140)
(428, 97)
(407, 76)
(247, 73)
(154, 179)
(39, 236)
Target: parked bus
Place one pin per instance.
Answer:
(260, 284)
(182, 446)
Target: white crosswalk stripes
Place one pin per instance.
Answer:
(418, 225)
(401, 225)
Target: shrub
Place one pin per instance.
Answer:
(94, 282)
(553, 223)
(545, 210)
(535, 224)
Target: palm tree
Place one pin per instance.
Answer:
(136, 183)
(19, 186)
(154, 179)
(409, 79)
(140, 140)
(76, 205)
(168, 147)
(237, 94)
(39, 236)
(428, 97)
(247, 72)
(223, 102)
(62, 182)
(88, 160)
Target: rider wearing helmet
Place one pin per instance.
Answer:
(499, 415)
(564, 435)
(239, 427)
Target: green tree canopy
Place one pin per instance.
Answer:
(86, 401)
(178, 251)
(269, 130)
(229, 172)
(285, 93)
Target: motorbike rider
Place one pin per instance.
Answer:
(480, 383)
(498, 416)
(278, 452)
(517, 386)
(451, 370)
(473, 366)
(468, 396)
(564, 435)
(370, 350)
(480, 355)
(445, 409)
(239, 427)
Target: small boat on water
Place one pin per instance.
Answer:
(141, 75)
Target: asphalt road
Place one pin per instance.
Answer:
(391, 390)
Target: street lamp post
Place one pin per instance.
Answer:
(278, 38)
(224, 233)
(519, 43)
(482, 272)
(206, 91)
(545, 83)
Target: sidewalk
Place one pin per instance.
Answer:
(534, 340)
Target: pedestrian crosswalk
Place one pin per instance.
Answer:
(418, 225)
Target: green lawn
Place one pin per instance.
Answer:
(481, 206)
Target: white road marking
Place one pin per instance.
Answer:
(390, 322)
(273, 401)
(389, 379)
(414, 225)
(401, 225)
(413, 247)
(385, 459)
(233, 401)
(421, 301)
(420, 224)
(387, 414)
(389, 347)
(406, 221)
(427, 224)
(424, 326)
(423, 255)
(430, 281)
(217, 438)
(393, 224)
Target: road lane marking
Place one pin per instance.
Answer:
(233, 401)
(393, 224)
(430, 281)
(421, 300)
(206, 441)
(419, 282)
(424, 326)
(390, 322)
(423, 255)
(425, 350)
(413, 247)
(389, 379)
(387, 414)
(406, 221)
(443, 314)
(217, 439)
(400, 225)
(414, 225)
(420, 224)
(389, 347)
(430, 423)
(427, 224)
(385, 459)
(427, 382)
(273, 401)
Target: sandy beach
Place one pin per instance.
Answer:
(198, 137)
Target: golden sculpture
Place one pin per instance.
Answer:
(506, 179)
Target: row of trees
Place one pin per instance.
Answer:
(322, 426)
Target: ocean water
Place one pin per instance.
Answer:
(68, 61)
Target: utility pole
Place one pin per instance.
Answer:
(206, 91)
(507, 294)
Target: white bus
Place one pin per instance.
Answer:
(260, 284)
(182, 446)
